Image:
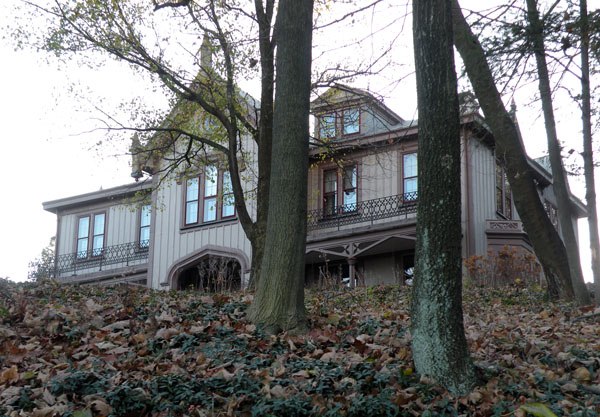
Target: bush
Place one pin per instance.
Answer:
(510, 266)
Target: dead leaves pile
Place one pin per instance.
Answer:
(129, 351)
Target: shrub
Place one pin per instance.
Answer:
(510, 266)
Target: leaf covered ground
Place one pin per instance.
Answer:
(129, 351)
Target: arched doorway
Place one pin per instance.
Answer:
(211, 273)
(210, 269)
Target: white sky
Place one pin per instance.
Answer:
(49, 153)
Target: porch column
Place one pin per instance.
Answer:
(352, 268)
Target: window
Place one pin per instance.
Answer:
(350, 185)
(410, 176)
(327, 126)
(552, 213)
(340, 186)
(503, 193)
(90, 229)
(144, 237)
(211, 176)
(330, 192)
(350, 121)
(209, 197)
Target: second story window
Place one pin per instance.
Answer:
(90, 235)
(350, 121)
(503, 193)
(145, 216)
(327, 126)
(340, 190)
(410, 176)
(209, 198)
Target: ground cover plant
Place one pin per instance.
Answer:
(128, 351)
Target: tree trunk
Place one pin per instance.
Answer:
(546, 242)
(438, 339)
(559, 181)
(588, 153)
(264, 137)
(279, 299)
(257, 243)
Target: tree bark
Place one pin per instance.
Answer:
(559, 181)
(588, 153)
(546, 242)
(438, 339)
(264, 136)
(279, 299)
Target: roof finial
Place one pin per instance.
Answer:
(206, 53)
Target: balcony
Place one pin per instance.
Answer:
(369, 211)
(108, 258)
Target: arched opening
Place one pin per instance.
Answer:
(211, 273)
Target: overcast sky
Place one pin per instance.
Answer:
(49, 152)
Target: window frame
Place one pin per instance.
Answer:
(410, 177)
(502, 193)
(143, 226)
(339, 190)
(202, 198)
(343, 121)
(331, 128)
(91, 252)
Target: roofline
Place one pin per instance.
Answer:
(121, 191)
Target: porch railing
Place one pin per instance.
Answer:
(361, 212)
(96, 260)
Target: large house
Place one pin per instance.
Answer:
(180, 230)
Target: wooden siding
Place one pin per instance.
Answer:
(171, 243)
(121, 225)
(481, 164)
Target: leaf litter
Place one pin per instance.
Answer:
(90, 351)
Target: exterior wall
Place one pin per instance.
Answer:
(381, 269)
(171, 243)
(481, 166)
(121, 227)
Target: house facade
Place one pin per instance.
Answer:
(180, 230)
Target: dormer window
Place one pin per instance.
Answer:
(350, 121)
(327, 126)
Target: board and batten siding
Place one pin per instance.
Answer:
(482, 166)
(121, 225)
(172, 243)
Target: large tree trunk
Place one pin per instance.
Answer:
(559, 181)
(546, 242)
(279, 299)
(438, 337)
(588, 153)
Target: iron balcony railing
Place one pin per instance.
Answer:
(96, 260)
(364, 211)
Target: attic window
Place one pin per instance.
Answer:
(327, 126)
(350, 121)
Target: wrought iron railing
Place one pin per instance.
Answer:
(96, 260)
(364, 211)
